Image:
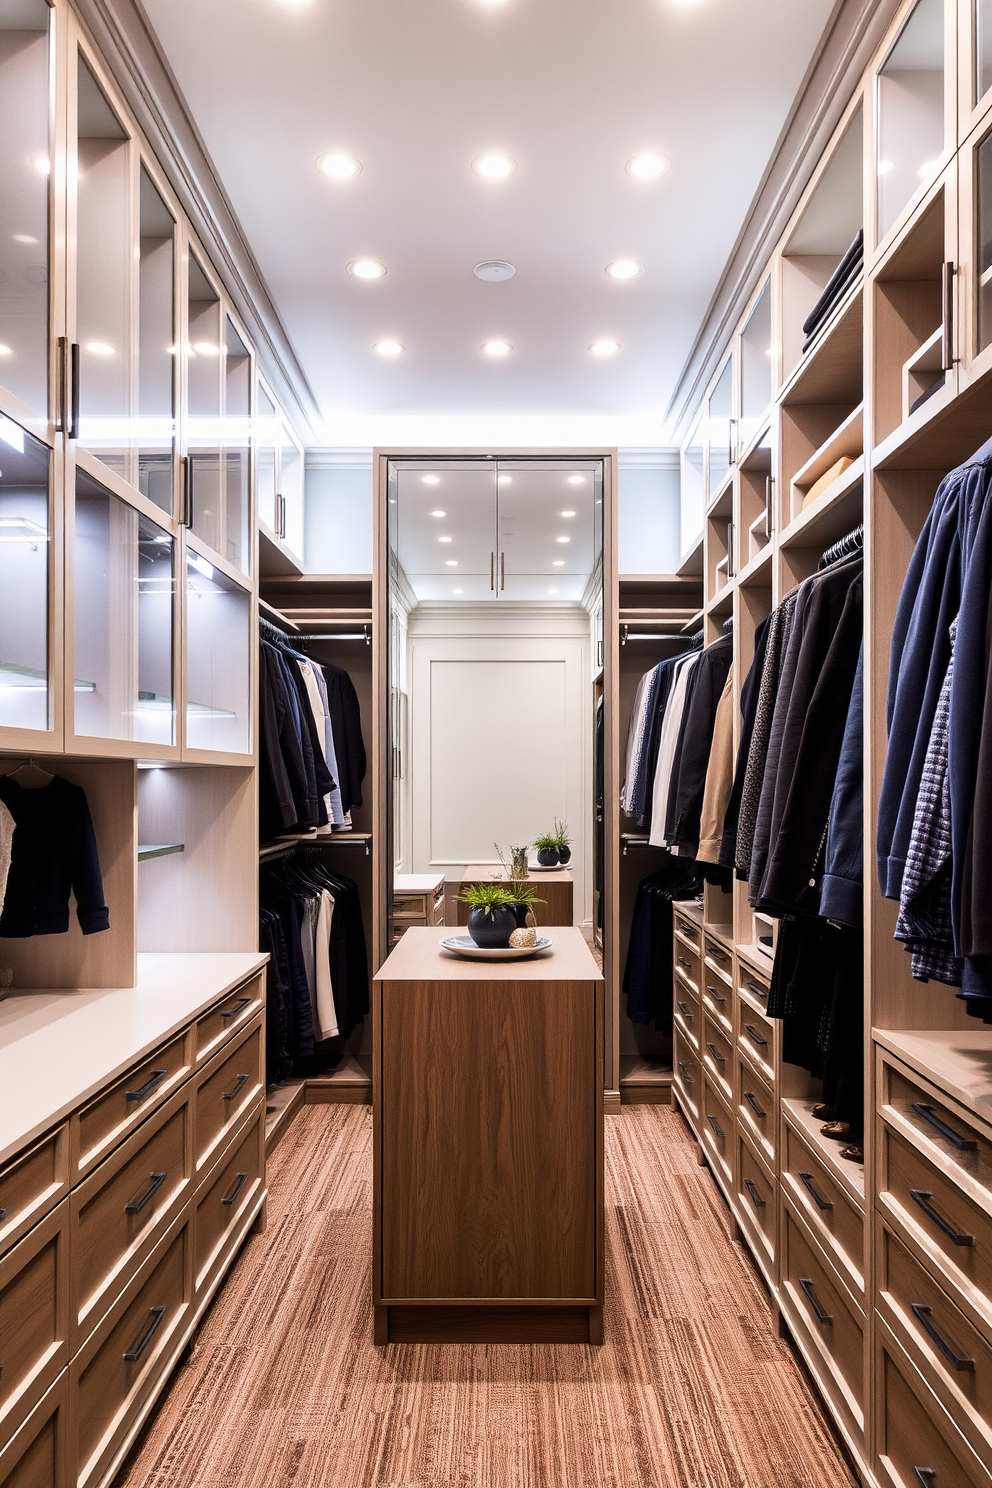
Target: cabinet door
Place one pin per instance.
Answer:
(30, 596)
(720, 427)
(266, 461)
(218, 659)
(756, 353)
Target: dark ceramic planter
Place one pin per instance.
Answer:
(492, 931)
(521, 911)
(564, 853)
(548, 857)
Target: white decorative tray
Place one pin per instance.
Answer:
(464, 945)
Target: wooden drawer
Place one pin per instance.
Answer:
(688, 1017)
(921, 1200)
(717, 1130)
(34, 1317)
(941, 1131)
(826, 1208)
(226, 1018)
(757, 1110)
(718, 1057)
(938, 1336)
(756, 1035)
(232, 1080)
(686, 927)
(756, 1199)
(718, 959)
(686, 1076)
(753, 988)
(687, 965)
(33, 1184)
(124, 1207)
(38, 1456)
(99, 1127)
(227, 1196)
(118, 1369)
(918, 1446)
(717, 1000)
(830, 1321)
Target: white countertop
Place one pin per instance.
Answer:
(58, 1048)
(418, 883)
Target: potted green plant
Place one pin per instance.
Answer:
(552, 847)
(562, 841)
(492, 917)
(523, 898)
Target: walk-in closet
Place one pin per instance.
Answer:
(495, 948)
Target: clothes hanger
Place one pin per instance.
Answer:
(38, 776)
(845, 547)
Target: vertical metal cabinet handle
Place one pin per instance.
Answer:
(239, 1007)
(157, 1179)
(73, 430)
(492, 572)
(749, 1097)
(155, 1078)
(817, 1197)
(754, 1035)
(502, 571)
(715, 1125)
(730, 550)
(768, 507)
(720, 1058)
(752, 1189)
(134, 1354)
(947, 329)
(922, 1197)
(927, 1476)
(186, 517)
(963, 1144)
(282, 515)
(230, 1094)
(242, 1179)
(824, 1318)
(61, 372)
(922, 1314)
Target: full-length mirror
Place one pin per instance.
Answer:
(495, 660)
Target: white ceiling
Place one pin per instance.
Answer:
(416, 89)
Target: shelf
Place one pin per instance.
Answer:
(723, 602)
(723, 501)
(159, 850)
(838, 510)
(847, 439)
(275, 560)
(757, 957)
(944, 432)
(758, 572)
(849, 1175)
(832, 370)
(959, 1061)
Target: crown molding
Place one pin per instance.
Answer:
(126, 42)
(852, 35)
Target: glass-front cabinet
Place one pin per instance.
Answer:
(756, 355)
(911, 113)
(26, 578)
(720, 429)
(218, 659)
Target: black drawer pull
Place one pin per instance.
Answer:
(242, 1180)
(756, 989)
(716, 953)
(922, 1197)
(749, 1097)
(239, 1007)
(715, 994)
(134, 1354)
(684, 1010)
(157, 1180)
(715, 1125)
(230, 1094)
(926, 1475)
(963, 1144)
(752, 1189)
(685, 1073)
(815, 1195)
(155, 1078)
(685, 963)
(754, 1035)
(720, 1058)
(922, 1315)
(824, 1318)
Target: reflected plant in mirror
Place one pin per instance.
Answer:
(554, 847)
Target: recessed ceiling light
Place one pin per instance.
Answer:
(430, 480)
(366, 268)
(339, 167)
(568, 514)
(497, 348)
(389, 348)
(624, 268)
(444, 539)
(458, 591)
(100, 348)
(563, 539)
(648, 167)
(494, 271)
(6, 350)
(451, 563)
(439, 514)
(576, 480)
(552, 591)
(557, 563)
(503, 480)
(205, 348)
(605, 348)
(494, 167)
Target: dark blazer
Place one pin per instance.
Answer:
(346, 726)
(842, 889)
(54, 854)
(689, 776)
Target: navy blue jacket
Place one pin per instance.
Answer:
(54, 854)
(842, 890)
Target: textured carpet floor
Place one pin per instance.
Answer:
(691, 1390)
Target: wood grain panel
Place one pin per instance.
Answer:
(489, 1111)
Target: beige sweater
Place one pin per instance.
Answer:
(719, 777)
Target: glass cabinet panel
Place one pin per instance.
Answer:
(693, 491)
(984, 227)
(25, 182)
(983, 47)
(266, 446)
(291, 491)
(203, 434)
(910, 112)
(233, 539)
(156, 347)
(719, 429)
(124, 585)
(756, 366)
(24, 568)
(103, 274)
(218, 649)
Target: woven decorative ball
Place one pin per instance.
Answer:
(523, 938)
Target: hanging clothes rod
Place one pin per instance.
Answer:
(270, 850)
